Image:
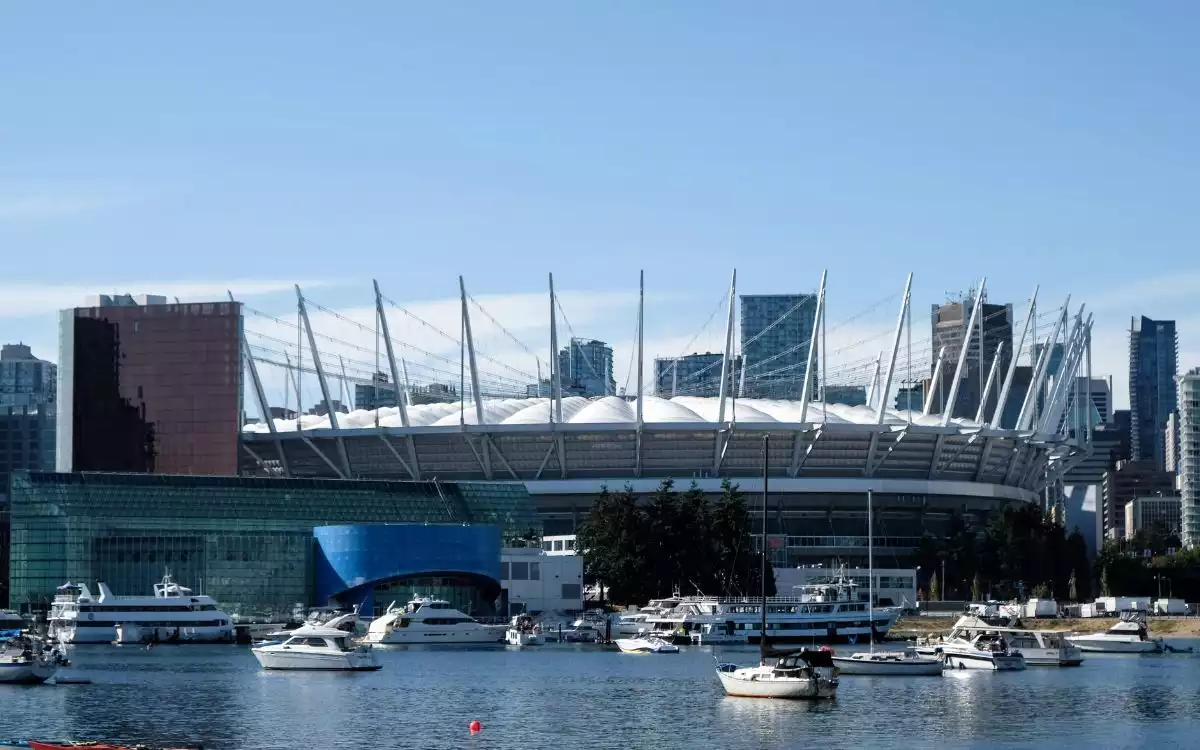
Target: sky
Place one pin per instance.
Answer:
(190, 149)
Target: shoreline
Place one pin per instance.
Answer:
(911, 627)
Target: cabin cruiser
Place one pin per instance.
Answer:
(173, 614)
(1041, 648)
(632, 624)
(1126, 637)
(797, 675)
(971, 648)
(524, 632)
(428, 620)
(317, 647)
(646, 645)
(28, 659)
(826, 611)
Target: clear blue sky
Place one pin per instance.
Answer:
(276, 141)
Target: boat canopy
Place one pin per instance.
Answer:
(812, 658)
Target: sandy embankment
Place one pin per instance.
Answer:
(909, 627)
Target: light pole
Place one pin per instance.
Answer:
(943, 591)
(1159, 578)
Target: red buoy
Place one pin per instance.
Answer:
(475, 726)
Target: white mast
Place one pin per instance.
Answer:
(725, 361)
(871, 569)
(891, 368)
(962, 355)
(806, 392)
(935, 383)
(991, 378)
(641, 394)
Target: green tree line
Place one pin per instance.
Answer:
(1152, 561)
(646, 548)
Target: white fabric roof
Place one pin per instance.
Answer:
(611, 410)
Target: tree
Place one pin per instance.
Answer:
(613, 542)
(729, 530)
(1104, 582)
(935, 591)
(1072, 588)
(975, 588)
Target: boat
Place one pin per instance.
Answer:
(428, 620)
(1040, 648)
(906, 663)
(523, 632)
(632, 625)
(10, 620)
(799, 674)
(172, 614)
(1128, 636)
(972, 648)
(646, 645)
(28, 660)
(318, 648)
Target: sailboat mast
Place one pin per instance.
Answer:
(762, 576)
(870, 570)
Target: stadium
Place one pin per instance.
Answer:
(921, 467)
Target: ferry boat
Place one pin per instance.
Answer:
(427, 620)
(173, 614)
(830, 611)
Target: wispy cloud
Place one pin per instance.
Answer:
(1149, 292)
(31, 299)
(48, 203)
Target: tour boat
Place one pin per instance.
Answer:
(427, 620)
(1126, 637)
(900, 663)
(27, 660)
(173, 614)
(317, 647)
(523, 632)
(646, 645)
(805, 675)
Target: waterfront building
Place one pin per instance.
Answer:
(776, 329)
(694, 375)
(585, 367)
(1127, 480)
(25, 380)
(993, 327)
(536, 581)
(249, 542)
(1189, 455)
(850, 395)
(1153, 345)
(559, 544)
(26, 443)
(1146, 513)
(146, 386)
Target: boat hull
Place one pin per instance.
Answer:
(355, 661)
(412, 635)
(989, 662)
(201, 634)
(1118, 647)
(523, 639)
(643, 646)
(890, 667)
(746, 683)
(26, 673)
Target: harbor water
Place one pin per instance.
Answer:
(561, 696)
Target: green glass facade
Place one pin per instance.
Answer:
(245, 541)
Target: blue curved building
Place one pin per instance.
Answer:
(374, 564)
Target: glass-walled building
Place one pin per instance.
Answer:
(247, 542)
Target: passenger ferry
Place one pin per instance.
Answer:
(427, 620)
(172, 614)
(821, 612)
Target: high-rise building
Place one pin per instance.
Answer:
(849, 395)
(949, 322)
(1189, 455)
(1130, 479)
(911, 397)
(1171, 442)
(150, 387)
(1146, 513)
(376, 394)
(776, 329)
(25, 380)
(586, 367)
(694, 375)
(1153, 346)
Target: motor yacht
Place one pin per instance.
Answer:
(969, 649)
(317, 647)
(27, 659)
(524, 632)
(1040, 648)
(172, 614)
(631, 625)
(1126, 637)
(646, 645)
(428, 620)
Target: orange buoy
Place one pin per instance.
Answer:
(475, 726)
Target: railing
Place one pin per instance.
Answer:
(841, 541)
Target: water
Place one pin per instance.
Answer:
(563, 696)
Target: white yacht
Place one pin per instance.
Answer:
(173, 614)
(1040, 648)
(427, 620)
(647, 645)
(27, 660)
(1126, 637)
(973, 649)
(828, 611)
(631, 625)
(317, 647)
(524, 632)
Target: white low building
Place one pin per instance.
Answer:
(563, 544)
(894, 587)
(537, 581)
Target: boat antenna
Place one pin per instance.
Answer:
(762, 576)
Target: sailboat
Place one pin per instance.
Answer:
(887, 662)
(798, 674)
